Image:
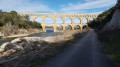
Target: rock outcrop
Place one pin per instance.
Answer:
(114, 24)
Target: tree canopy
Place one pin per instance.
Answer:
(17, 20)
(102, 19)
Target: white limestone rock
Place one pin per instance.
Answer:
(115, 21)
(9, 52)
(6, 46)
(16, 40)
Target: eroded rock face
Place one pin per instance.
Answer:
(21, 44)
(18, 47)
(114, 23)
(6, 46)
(9, 52)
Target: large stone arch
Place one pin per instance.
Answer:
(68, 20)
(77, 27)
(33, 18)
(30, 18)
(53, 16)
(84, 27)
(39, 20)
(49, 20)
(77, 21)
(68, 27)
(59, 20)
(59, 27)
(49, 27)
(85, 21)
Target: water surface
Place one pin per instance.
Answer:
(43, 34)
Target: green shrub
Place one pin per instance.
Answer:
(17, 20)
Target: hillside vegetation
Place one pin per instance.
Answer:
(109, 38)
(10, 21)
(102, 19)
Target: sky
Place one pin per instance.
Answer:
(57, 6)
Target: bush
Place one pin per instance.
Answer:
(17, 20)
(102, 19)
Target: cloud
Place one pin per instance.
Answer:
(89, 0)
(73, 11)
(89, 4)
(24, 6)
(41, 6)
(99, 12)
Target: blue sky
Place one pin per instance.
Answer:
(57, 6)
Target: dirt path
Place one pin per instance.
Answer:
(87, 52)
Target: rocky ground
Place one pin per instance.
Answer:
(21, 50)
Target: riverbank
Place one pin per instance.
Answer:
(28, 34)
(32, 47)
(41, 34)
(21, 33)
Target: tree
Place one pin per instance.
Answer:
(17, 20)
(26, 18)
(14, 13)
(0, 11)
(102, 19)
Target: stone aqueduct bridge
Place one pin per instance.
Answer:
(54, 16)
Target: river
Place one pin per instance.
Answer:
(46, 34)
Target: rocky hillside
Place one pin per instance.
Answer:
(114, 24)
(107, 26)
(103, 19)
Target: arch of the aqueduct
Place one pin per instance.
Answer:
(54, 16)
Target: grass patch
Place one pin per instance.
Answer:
(70, 37)
(111, 42)
(113, 51)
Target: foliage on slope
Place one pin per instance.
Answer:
(102, 19)
(109, 38)
(17, 21)
(111, 42)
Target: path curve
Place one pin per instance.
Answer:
(87, 52)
